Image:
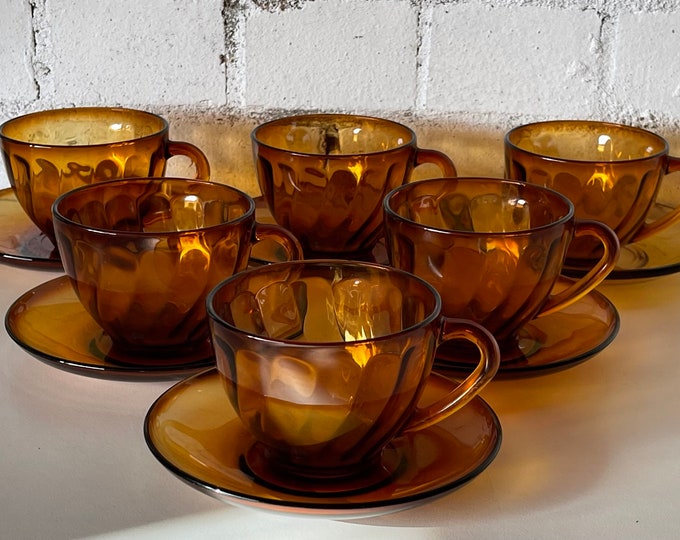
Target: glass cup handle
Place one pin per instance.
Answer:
(461, 393)
(648, 229)
(441, 160)
(198, 158)
(579, 288)
(290, 244)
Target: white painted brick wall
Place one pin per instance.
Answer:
(459, 72)
(646, 65)
(159, 52)
(16, 70)
(513, 61)
(333, 55)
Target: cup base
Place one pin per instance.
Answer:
(270, 472)
(376, 253)
(584, 253)
(102, 346)
(511, 349)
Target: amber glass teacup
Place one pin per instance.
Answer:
(493, 248)
(324, 362)
(50, 152)
(611, 172)
(142, 254)
(324, 176)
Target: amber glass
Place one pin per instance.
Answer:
(324, 176)
(493, 249)
(51, 152)
(206, 451)
(610, 172)
(142, 254)
(324, 362)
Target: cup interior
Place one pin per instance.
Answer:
(87, 126)
(153, 205)
(586, 141)
(323, 302)
(333, 134)
(478, 205)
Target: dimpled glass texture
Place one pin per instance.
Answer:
(492, 249)
(610, 172)
(341, 346)
(324, 362)
(324, 176)
(51, 152)
(142, 254)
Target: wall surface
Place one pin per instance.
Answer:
(460, 72)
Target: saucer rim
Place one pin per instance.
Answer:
(104, 370)
(340, 510)
(627, 274)
(508, 370)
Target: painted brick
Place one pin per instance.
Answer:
(646, 61)
(460, 73)
(16, 80)
(163, 52)
(333, 55)
(513, 60)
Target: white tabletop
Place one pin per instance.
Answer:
(591, 451)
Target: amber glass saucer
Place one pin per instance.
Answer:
(21, 242)
(657, 255)
(51, 324)
(550, 343)
(193, 430)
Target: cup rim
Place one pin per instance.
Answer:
(615, 125)
(58, 216)
(80, 110)
(214, 317)
(284, 120)
(568, 216)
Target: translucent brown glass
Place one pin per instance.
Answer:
(611, 173)
(142, 254)
(325, 361)
(48, 153)
(324, 176)
(493, 249)
(436, 460)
